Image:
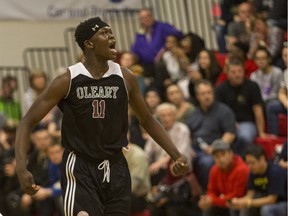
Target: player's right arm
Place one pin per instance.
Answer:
(42, 105)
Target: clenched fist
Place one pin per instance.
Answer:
(179, 167)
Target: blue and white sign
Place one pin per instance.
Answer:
(64, 9)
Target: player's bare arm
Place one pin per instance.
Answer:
(43, 104)
(149, 123)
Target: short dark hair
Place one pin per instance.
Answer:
(255, 150)
(204, 82)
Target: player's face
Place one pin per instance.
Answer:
(236, 74)
(104, 43)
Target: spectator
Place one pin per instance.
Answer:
(227, 179)
(129, 60)
(211, 120)
(192, 45)
(205, 67)
(268, 77)
(226, 16)
(140, 178)
(10, 192)
(240, 29)
(53, 191)
(239, 50)
(179, 134)
(150, 39)
(274, 10)
(9, 107)
(280, 105)
(37, 83)
(271, 37)
(152, 99)
(171, 63)
(244, 98)
(38, 165)
(267, 186)
(175, 96)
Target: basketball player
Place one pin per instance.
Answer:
(93, 96)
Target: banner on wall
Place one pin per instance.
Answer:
(63, 9)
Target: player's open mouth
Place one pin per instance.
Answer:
(112, 46)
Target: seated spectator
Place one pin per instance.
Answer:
(275, 11)
(9, 106)
(137, 134)
(10, 191)
(267, 186)
(179, 134)
(205, 67)
(150, 39)
(170, 64)
(271, 37)
(240, 29)
(38, 166)
(278, 106)
(239, 50)
(268, 77)
(222, 20)
(140, 178)
(192, 44)
(227, 179)
(38, 81)
(129, 60)
(175, 96)
(210, 121)
(54, 152)
(244, 98)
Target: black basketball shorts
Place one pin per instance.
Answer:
(92, 188)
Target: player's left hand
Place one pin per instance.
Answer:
(179, 167)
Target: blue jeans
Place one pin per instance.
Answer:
(202, 165)
(220, 31)
(246, 134)
(277, 209)
(273, 108)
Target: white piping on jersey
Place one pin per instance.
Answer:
(79, 68)
(106, 166)
(69, 197)
(70, 83)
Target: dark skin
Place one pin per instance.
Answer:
(98, 50)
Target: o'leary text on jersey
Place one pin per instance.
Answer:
(97, 92)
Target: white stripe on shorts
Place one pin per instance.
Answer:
(71, 185)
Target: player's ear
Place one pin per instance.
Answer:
(88, 44)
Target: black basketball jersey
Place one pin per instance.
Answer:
(95, 112)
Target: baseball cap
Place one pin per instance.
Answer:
(219, 145)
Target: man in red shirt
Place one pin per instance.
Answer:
(227, 179)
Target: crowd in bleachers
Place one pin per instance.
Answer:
(214, 104)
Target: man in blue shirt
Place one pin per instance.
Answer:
(151, 38)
